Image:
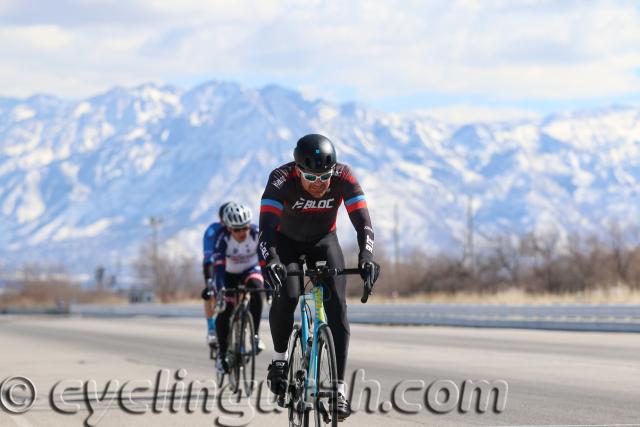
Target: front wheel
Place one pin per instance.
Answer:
(296, 396)
(326, 388)
(219, 373)
(233, 361)
(247, 354)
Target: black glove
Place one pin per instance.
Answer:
(369, 271)
(208, 291)
(275, 273)
(206, 294)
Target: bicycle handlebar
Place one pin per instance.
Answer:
(319, 273)
(324, 272)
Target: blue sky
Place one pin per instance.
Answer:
(457, 59)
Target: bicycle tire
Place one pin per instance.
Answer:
(327, 358)
(298, 417)
(232, 355)
(219, 374)
(247, 353)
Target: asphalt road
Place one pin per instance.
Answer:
(551, 377)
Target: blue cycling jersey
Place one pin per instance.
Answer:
(209, 241)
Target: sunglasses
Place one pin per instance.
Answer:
(312, 178)
(239, 230)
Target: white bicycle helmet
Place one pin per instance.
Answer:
(237, 215)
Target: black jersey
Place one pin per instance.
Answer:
(286, 207)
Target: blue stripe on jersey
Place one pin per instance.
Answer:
(354, 200)
(274, 203)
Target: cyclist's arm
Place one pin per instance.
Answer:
(362, 223)
(208, 247)
(207, 251)
(219, 260)
(271, 207)
(356, 205)
(207, 271)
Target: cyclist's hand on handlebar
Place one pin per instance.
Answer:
(369, 271)
(275, 274)
(206, 294)
(208, 291)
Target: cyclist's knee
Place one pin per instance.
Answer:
(253, 280)
(254, 283)
(282, 305)
(284, 302)
(337, 316)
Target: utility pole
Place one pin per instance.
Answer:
(469, 255)
(155, 222)
(396, 247)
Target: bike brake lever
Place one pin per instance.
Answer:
(368, 290)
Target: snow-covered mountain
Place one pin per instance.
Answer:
(80, 179)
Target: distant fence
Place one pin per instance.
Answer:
(576, 317)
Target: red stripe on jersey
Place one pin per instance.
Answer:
(270, 209)
(360, 205)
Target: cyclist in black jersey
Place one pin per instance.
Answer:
(298, 216)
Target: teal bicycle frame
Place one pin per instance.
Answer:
(316, 295)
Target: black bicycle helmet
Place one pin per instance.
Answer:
(315, 153)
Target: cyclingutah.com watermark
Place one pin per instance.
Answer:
(173, 393)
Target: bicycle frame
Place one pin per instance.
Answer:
(243, 302)
(236, 356)
(316, 295)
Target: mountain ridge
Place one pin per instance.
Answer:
(79, 179)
